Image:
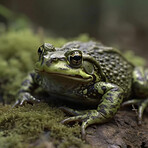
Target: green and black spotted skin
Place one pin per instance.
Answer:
(115, 67)
(89, 73)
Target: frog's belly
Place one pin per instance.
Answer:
(66, 89)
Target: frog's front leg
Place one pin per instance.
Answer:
(29, 84)
(140, 90)
(112, 96)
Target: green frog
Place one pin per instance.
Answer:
(88, 73)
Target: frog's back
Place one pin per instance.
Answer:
(115, 67)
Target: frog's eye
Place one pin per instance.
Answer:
(75, 59)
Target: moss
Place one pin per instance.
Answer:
(16, 59)
(134, 59)
(23, 126)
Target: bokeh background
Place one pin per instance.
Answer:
(120, 23)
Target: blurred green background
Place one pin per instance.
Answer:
(120, 23)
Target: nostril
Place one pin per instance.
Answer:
(54, 59)
(48, 63)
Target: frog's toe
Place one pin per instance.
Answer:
(25, 97)
(71, 111)
(16, 104)
(79, 118)
(130, 102)
(86, 121)
(141, 109)
(92, 119)
(83, 127)
(30, 99)
(142, 104)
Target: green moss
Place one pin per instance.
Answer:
(134, 59)
(16, 59)
(23, 126)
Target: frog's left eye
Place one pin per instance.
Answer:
(75, 59)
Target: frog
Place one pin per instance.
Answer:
(87, 73)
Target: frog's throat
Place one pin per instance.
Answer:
(68, 76)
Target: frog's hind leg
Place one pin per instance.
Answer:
(140, 90)
(112, 96)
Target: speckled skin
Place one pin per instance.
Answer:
(89, 73)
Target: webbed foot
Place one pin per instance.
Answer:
(25, 97)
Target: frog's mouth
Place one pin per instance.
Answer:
(75, 77)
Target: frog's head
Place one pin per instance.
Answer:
(71, 64)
